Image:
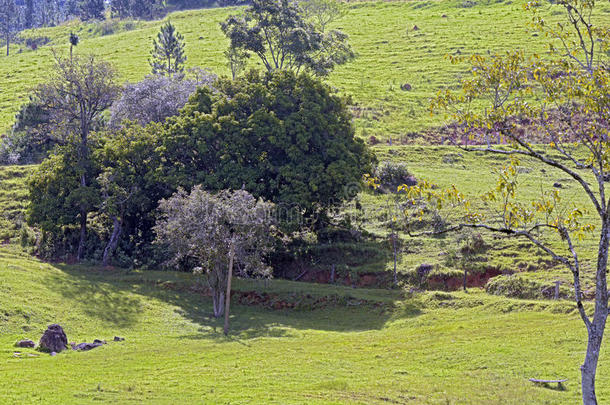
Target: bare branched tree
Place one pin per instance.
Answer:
(555, 111)
(78, 90)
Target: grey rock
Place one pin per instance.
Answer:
(54, 339)
(25, 343)
(85, 346)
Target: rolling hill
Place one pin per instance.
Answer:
(396, 42)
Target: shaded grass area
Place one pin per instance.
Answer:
(431, 348)
(390, 53)
(13, 198)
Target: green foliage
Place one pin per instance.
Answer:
(131, 188)
(278, 33)
(55, 192)
(28, 141)
(280, 136)
(167, 55)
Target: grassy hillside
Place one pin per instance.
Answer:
(433, 348)
(391, 52)
(13, 199)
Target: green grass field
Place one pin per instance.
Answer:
(390, 53)
(340, 344)
(429, 348)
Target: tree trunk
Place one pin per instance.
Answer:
(589, 367)
(228, 295)
(83, 225)
(218, 301)
(83, 234)
(595, 329)
(395, 257)
(114, 240)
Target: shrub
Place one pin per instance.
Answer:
(391, 175)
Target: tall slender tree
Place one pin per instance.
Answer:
(78, 91)
(29, 14)
(73, 42)
(9, 21)
(167, 55)
(92, 9)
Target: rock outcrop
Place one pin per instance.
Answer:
(54, 339)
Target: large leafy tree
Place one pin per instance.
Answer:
(57, 197)
(129, 189)
(79, 89)
(279, 33)
(167, 55)
(565, 100)
(281, 136)
(218, 231)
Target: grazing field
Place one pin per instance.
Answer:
(391, 52)
(427, 348)
(332, 326)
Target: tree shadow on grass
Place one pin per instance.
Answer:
(97, 297)
(113, 296)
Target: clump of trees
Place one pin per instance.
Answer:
(138, 9)
(281, 36)
(220, 232)
(282, 137)
(10, 21)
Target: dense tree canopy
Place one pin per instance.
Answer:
(284, 137)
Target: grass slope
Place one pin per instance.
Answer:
(433, 348)
(390, 53)
(13, 198)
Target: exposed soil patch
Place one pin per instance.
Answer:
(455, 133)
(454, 282)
